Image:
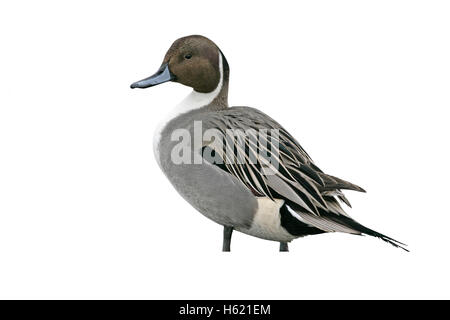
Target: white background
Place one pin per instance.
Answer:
(86, 213)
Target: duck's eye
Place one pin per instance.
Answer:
(188, 56)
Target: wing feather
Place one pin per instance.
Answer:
(274, 165)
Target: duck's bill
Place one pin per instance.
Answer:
(161, 76)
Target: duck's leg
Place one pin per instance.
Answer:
(227, 231)
(284, 247)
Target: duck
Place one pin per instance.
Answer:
(238, 166)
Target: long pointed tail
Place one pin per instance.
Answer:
(363, 229)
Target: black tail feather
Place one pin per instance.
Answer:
(359, 227)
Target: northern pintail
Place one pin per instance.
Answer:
(264, 185)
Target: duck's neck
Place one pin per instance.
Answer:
(211, 101)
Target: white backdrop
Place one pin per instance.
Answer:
(86, 213)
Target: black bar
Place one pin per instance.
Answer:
(221, 309)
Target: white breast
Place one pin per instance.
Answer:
(194, 100)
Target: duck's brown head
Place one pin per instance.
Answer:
(194, 61)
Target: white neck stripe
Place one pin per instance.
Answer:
(196, 99)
